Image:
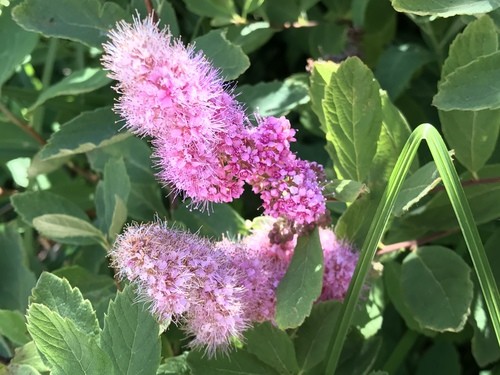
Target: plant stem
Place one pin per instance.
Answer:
(21, 124)
(48, 68)
(400, 352)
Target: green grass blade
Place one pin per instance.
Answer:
(381, 219)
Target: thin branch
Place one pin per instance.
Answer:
(24, 126)
(151, 10)
(412, 244)
(467, 183)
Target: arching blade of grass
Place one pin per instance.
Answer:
(464, 215)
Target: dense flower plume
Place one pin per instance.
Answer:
(216, 290)
(205, 146)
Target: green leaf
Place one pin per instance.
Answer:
(444, 8)
(273, 347)
(484, 200)
(345, 190)
(359, 356)
(222, 9)
(397, 66)
(320, 78)
(250, 37)
(484, 346)
(15, 143)
(415, 187)
(30, 205)
(12, 326)
(301, 285)
(115, 188)
(472, 135)
(145, 198)
(392, 281)
(224, 55)
(85, 21)
(68, 229)
(354, 223)
(14, 369)
(239, 362)
(28, 355)
(16, 280)
(393, 136)
(221, 219)
(175, 366)
(440, 358)
(15, 47)
(68, 350)
(437, 288)
(67, 302)
(479, 38)
(313, 337)
(273, 98)
(86, 132)
(353, 113)
(131, 335)
(472, 87)
(98, 289)
(79, 82)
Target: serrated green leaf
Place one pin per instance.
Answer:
(320, 78)
(441, 358)
(479, 38)
(222, 219)
(273, 98)
(313, 337)
(85, 21)
(472, 134)
(30, 205)
(302, 283)
(68, 350)
(353, 113)
(415, 187)
(394, 133)
(12, 326)
(445, 8)
(239, 362)
(437, 288)
(398, 64)
(67, 302)
(472, 87)
(273, 347)
(15, 47)
(28, 355)
(224, 55)
(131, 336)
(16, 280)
(86, 132)
(68, 229)
(79, 82)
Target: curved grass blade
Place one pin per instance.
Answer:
(464, 215)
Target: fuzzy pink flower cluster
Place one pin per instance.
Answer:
(204, 144)
(217, 290)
